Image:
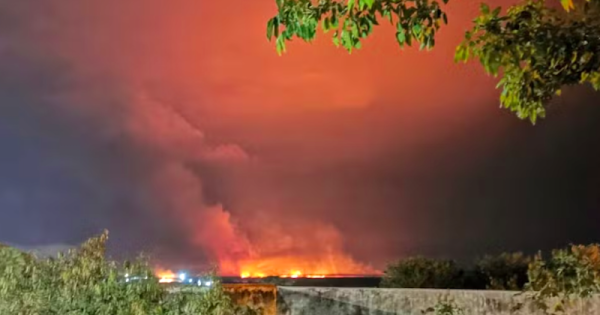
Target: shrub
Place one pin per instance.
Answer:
(507, 271)
(420, 272)
(569, 275)
(84, 282)
(444, 306)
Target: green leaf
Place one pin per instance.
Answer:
(401, 37)
(366, 3)
(533, 117)
(388, 15)
(326, 25)
(280, 45)
(276, 27)
(336, 39)
(567, 5)
(485, 9)
(496, 11)
(270, 29)
(335, 21)
(347, 40)
(468, 35)
(460, 53)
(417, 29)
(400, 34)
(354, 30)
(351, 4)
(584, 77)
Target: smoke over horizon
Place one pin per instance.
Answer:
(189, 138)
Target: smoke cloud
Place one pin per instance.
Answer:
(188, 137)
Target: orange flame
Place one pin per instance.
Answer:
(164, 275)
(301, 249)
(303, 266)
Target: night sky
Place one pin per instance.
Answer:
(175, 125)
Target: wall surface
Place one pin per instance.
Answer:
(257, 296)
(261, 297)
(371, 301)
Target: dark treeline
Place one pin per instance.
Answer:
(507, 271)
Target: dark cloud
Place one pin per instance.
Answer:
(64, 176)
(67, 172)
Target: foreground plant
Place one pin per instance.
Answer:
(535, 49)
(83, 281)
(421, 272)
(444, 306)
(507, 271)
(565, 280)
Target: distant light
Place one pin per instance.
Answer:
(182, 276)
(208, 283)
(191, 280)
(165, 280)
(126, 275)
(199, 282)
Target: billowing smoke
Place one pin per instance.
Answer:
(176, 126)
(134, 159)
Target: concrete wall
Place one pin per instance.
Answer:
(274, 300)
(261, 297)
(358, 301)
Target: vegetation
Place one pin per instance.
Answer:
(420, 272)
(535, 49)
(507, 271)
(568, 277)
(444, 306)
(556, 285)
(85, 282)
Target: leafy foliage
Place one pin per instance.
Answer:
(352, 21)
(507, 271)
(83, 281)
(535, 49)
(444, 306)
(539, 50)
(568, 276)
(420, 272)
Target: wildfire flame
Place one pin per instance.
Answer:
(165, 276)
(301, 250)
(303, 267)
(293, 274)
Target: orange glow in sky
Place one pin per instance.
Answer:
(258, 159)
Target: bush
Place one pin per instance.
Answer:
(444, 306)
(420, 272)
(570, 274)
(84, 282)
(507, 271)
